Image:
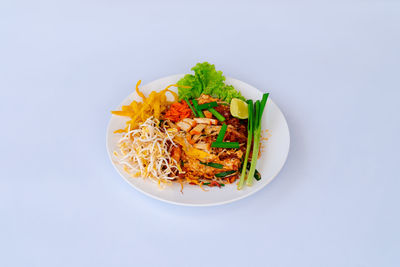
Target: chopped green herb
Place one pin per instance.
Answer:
(221, 133)
(224, 174)
(225, 144)
(208, 105)
(212, 164)
(196, 107)
(217, 114)
(191, 107)
(220, 184)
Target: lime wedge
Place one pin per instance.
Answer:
(239, 109)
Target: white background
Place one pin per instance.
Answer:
(333, 68)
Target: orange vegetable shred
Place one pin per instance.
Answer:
(178, 111)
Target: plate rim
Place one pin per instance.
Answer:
(192, 204)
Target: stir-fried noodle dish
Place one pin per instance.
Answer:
(208, 135)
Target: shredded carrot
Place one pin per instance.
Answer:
(201, 186)
(178, 111)
(214, 183)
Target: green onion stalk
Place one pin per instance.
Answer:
(259, 109)
(249, 139)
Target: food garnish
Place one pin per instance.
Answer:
(152, 106)
(178, 111)
(257, 134)
(254, 132)
(196, 107)
(207, 105)
(224, 174)
(249, 142)
(221, 133)
(206, 80)
(239, 109)
(212, 164)
(216, 114)
(225, 144)
(190, 106)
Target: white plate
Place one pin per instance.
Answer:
(271, 162)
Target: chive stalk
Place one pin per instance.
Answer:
(222, 132)
(224, 174)
(196, 106)
(216, 114)
(220, 184)
(208, 105)
(191, 107)
(225, 144)
(213, 164)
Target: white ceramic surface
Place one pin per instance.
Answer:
(270, 163)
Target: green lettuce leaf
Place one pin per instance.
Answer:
(193, 92)
(206, 80)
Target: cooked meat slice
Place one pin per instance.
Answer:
(206, 121)
(212, 129)
(196, 137)
(231, 164)
(189, 138)
(189, 121)
(206, 99)
(198, 129)
(226, 154)
(184, 126)
(208, 114)
(203, 146)
(171, 124)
